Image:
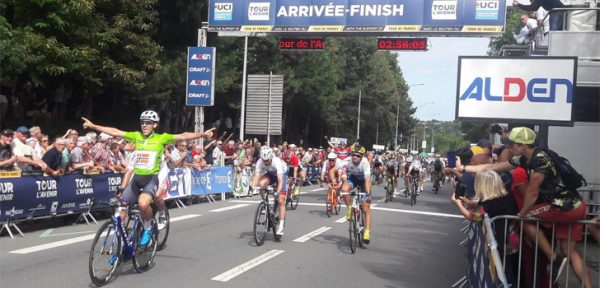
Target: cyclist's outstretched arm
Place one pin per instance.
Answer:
(193, 135)
(87, 124)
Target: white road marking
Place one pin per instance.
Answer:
(312, 234)
(418, 212)
(341, 220)
(318, 189)
(246, 201)
(80, 239)
(236, 271)
(229, 208)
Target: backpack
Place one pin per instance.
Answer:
(437, 165)
(569, 176)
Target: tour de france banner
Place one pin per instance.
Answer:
(213, 180)
(331, 16)
(38, 196)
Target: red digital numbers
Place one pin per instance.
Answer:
(419, 44)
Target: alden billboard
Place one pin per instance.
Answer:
(348, 16)
(535, 89)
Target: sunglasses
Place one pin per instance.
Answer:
(356, 155)
(44, 140)
(147, 123)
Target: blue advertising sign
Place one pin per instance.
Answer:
(200, 88)
(346, 16)
(39, 196)
(213, 180)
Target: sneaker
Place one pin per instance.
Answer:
(366, 237)
(297, 191)
(348, 214)
(279, 228)
(146, 237)
(558, 266)
(162, 222)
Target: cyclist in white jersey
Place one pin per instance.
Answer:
(269, 170)
(356, 170)
(416, 170)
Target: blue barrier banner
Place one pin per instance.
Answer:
(38, 196)
(213, 180)
(480, 273)
(373, 16)
(178, 182)
(200, 89)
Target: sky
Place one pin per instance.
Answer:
(437, 70)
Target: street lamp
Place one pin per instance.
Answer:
(398, 113)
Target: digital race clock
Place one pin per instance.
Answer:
(406, 44)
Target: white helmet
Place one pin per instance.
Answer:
(331, 155)
(409, 159)
(149, 115)
(266, 153)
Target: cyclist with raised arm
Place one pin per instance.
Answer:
(270, 170)
(357, 172)
(149, 147)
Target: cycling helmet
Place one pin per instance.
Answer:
(149, 115)
(357, 149)
(409, 159)
(331, 155)
(266, 153)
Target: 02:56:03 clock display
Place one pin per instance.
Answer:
(402, 43)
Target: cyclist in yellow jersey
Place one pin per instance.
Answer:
(149, 147)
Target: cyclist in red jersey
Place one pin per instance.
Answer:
(342, 151)
(293, 164)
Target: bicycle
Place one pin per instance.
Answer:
(116, 241)
(389, 188)
(265, 218)
(414, 186)
(332, 202)
(356, 225)
(293, 196)
(435, 177)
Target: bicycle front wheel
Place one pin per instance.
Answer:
(294, 198)
(163, 234)
(352, 232)
(105, 253)
(260, 224)
(329, 204)
(413, 195)
(144, 254)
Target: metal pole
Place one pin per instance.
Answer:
(358, 124)
(432, 147)
(269, 113)
(377, 134)
(243, 107)
(199, 110)
(397, 115)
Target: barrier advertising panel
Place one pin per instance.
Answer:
(525, 89)
(200, 88)
(449, 17)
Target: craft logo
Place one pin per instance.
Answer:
(259, 11)
(486, 10)
(443, 10)
(200, 83)
(223, 11)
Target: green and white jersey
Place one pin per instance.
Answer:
(148, 151)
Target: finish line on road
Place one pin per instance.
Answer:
(374, 206)
(80, 239)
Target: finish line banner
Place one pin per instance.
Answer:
(450, 17)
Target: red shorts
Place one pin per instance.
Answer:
(563, 219)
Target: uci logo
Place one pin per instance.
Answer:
(540, 90)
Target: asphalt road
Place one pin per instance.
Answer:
(213, 247)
